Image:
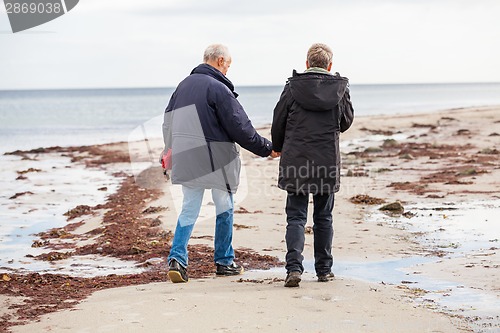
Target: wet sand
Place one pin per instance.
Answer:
(395, 272)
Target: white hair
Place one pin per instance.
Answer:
(215, 51)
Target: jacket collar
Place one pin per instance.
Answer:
(317, 70)
(216, 74)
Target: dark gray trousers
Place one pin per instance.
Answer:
(296, 217)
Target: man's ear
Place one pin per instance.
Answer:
(329, 67)
(307, 64)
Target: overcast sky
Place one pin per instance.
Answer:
(146, 43)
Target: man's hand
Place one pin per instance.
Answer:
(275, 154)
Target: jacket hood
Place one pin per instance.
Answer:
(315, 91)
(216, 74)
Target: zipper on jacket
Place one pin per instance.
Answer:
(228, 188)
(211, 157)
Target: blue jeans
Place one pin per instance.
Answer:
(191, 205)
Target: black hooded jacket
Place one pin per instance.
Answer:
(312, 111)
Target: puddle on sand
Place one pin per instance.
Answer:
(458, 230)
(84, 266)
(452, 297)
(480, 308)
(455, 228)
(53, 190)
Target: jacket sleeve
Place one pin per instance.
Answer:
(235, 122)
(167, 129)
(167, 126)
(279, 119)
(346, 112)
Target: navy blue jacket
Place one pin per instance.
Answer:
(203, 120)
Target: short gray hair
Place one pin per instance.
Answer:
(215, 51)
(319, 55)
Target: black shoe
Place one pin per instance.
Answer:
(229, 270)
(292, 279)
(176, 272)
(326, 277)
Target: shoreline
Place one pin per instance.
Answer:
(424, 159)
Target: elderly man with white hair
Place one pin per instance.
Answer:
(202, 123)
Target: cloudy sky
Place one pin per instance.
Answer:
(146, 43)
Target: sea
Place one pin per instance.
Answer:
(42, 118)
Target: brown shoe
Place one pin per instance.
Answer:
(292, 279)
(326, 277)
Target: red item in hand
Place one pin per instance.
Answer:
(166, 160)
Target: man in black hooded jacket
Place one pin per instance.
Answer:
(313, 109)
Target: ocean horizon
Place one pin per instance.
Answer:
(249, 86)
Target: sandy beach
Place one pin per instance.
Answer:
(430, 264)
